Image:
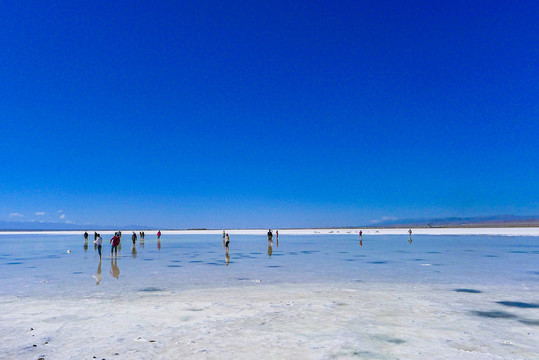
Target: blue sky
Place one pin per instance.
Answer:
(275, 114)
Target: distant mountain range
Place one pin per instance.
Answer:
(49, 226)
(477, 221)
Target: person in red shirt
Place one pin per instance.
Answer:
(159, 234)
(115, 241)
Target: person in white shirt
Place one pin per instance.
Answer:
(99, 242)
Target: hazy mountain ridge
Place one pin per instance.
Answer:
(51, 226)
(478, 221)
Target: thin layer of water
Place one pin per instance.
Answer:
(61, 265)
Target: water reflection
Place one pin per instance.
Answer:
(98, 275)
(114, 269)
(270, 247)
(134, 251)
(410, 233)
(159, 244)
(85, 245)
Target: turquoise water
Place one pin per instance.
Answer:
(40, 264)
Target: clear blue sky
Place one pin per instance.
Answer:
(271, 114)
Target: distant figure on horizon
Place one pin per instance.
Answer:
(95, 235)
(410, 233)
(360, 233)
(159, 234)
(115, 241)
(270, 235)
(277, 234)
(98, 242)
(134, 238)
(143, 236)
(85, 236)
(227, 243)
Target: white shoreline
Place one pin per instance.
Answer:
(496, 231)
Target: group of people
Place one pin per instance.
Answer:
(115, 241)
(361, 237)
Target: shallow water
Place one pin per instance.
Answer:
(315, 297)
(40, 264)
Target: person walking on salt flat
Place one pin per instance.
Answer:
(99, 242)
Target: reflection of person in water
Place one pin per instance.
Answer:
(361, 242)
(114, 269)
(226, 244)
(134, 251)
(85, 245)
(270, 247)
(158, 244)
(98, 275)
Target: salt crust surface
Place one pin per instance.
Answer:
(260, 321)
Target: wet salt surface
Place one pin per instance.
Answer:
(41, 264)
(300, 321)
(314, 297)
